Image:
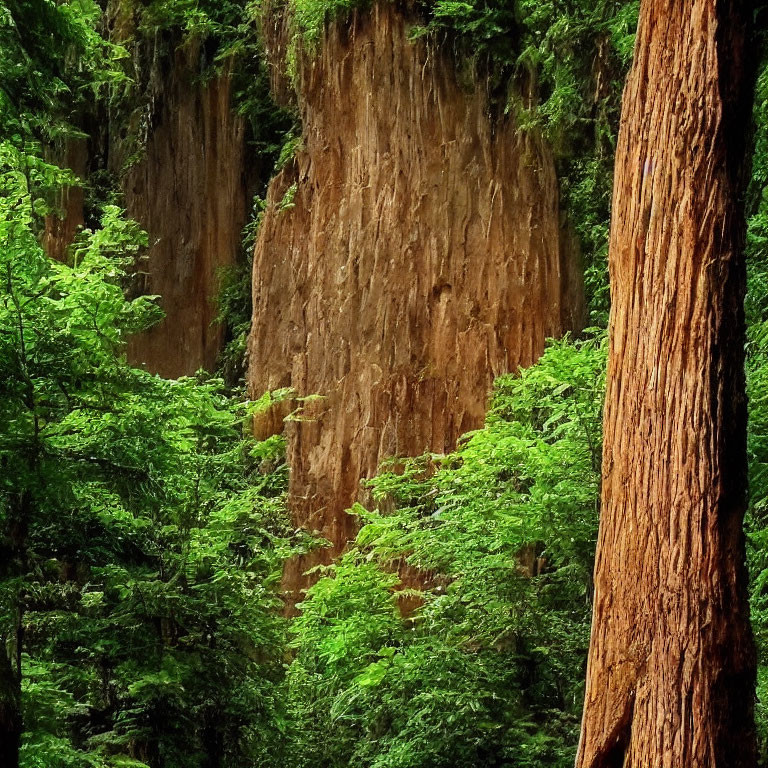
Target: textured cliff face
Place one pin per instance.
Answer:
(62, 226)
(412, 253)
(190, 193)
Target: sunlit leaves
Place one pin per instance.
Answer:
(501, 534)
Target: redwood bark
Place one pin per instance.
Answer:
(670, 678)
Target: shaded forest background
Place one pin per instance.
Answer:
(144, 528)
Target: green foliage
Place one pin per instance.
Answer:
(234, 312)
(310, 16)
(756, 311)
(142, 531)
(287, 201)
(488, 669)
(52, 62)
(293, 143)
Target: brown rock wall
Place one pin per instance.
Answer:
(189, 191)
(411, 253)
(62, 226)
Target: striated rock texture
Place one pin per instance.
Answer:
(411, 253)
(62, 226)
(190, 192)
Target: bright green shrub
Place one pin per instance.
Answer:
(486, 671)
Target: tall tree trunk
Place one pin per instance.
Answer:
(671, 669)
(10, 712)
(13, 563)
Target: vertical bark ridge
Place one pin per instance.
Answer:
(671, 641)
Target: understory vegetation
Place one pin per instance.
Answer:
(143, 529)
(483, 663)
